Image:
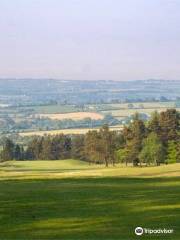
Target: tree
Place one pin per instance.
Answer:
(107, 145)
(99, 147)
(154, 124)
(67, 146)
(78, 147)
(152, 151)
(136, 129)
(178, 151)
(122, 155)
(46, 149)
(134, 135)
(171, 152)
(18, 152)
(8, 150)
(57, 146)
(133, 148)
(91, 147)
(34, 148)
(169, 125)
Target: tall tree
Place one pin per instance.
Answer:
(134, 135)
(172, 154)
(169, 124)
(78, 143)
(34, 148)
(46, 149)
(122, 156)
(152, 151)
(18, 152)
(92, 147)
(8, 150)
(154, 124)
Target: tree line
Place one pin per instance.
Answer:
(9, 125)
(152, 142)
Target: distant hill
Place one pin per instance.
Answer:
(45, 91)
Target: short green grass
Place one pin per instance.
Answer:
(71, 200)
(78, 169)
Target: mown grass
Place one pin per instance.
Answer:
(103, 206)
(78, 169)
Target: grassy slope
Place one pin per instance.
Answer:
(75, 168)
(68, 201)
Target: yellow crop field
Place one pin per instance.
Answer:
(73, 116)
(66, 131)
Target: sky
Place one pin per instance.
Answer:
(90, 39)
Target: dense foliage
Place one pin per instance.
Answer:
(151, 143)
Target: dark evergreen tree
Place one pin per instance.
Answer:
(169, 125)
(172, 154)
(154, 123)
(8, 150)
(18, 154)
(78, 147)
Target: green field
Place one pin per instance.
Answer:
(51, 109)
(72, 200)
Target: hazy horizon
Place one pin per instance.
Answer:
(68, 80)
(90, 40)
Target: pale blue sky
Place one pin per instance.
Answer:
(90, 39)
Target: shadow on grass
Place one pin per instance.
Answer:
(88, 208)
